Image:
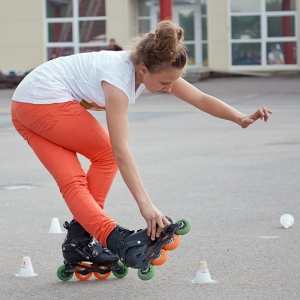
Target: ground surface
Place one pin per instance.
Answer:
(232, 184)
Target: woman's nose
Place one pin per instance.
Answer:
(167, 89)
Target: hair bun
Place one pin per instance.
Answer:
(167, 38)
(162, 49)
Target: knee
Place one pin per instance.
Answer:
(70, 185)
(105, 158)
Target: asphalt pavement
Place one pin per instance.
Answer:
(232, 184)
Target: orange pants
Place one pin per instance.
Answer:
(56, 133)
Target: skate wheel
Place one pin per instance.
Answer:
(122, 272)
(101, 276)
(146, 274)
(185, 227)
(83, 277)
(173, 244)
(62, 275)
(161, 259)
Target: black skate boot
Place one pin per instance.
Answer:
(137, 250)
(122, 241)
(79, 246)
(85, 256)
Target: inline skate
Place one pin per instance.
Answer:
(137, 250)
(84, 256)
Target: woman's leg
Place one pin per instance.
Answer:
(56, 132)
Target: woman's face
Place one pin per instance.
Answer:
(160, 82)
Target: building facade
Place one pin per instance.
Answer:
(227, 35)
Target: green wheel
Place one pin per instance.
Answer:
(62, 275)
(123, 273)
(148, 274)
(185, 227)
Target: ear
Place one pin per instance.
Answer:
(143, 69)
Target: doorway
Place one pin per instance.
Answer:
(189, 18)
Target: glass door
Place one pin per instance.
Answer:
(189, 18)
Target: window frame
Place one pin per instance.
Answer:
(75, 21)
(264, 39)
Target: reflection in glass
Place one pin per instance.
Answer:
(186, 21)
(246, 54)
(281, 53)
(280, 5)
(144, 8)
(60, 32)
(204, 55)
(203, 7)
(59, 9)
(191, 54)
(91, 49)
(92, 31)
(91, 8)
(247, 27)
(204, 28)
(54, 52)
(245, 5)
(281, 26)
(144, 26)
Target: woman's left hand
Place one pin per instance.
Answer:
(261, 113)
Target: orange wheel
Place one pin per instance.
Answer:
(81, 276)
(161, 259)
(175, 241)
(102, 276)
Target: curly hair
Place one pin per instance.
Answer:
(162, 49)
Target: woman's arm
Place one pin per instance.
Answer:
(211, 105)
(117, 122)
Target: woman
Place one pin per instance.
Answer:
(49, 111)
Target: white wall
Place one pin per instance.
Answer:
(122, 22)
(21, 34)
(218, 34)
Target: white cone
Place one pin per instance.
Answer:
(55, 227)
(26, 269)
(203, 275)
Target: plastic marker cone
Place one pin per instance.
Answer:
(203, 275)
(287, 220)
(55, 227)
(26, 269)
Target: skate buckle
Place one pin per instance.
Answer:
(121, 245)
(95, 253)
(91, 244)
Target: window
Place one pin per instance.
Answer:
(75, 26)
(189, 14)
(263, 32)
(204, 33)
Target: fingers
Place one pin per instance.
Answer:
(264, 113)
(261, 113)
(161, 225)
(156, 226)
(153, 230)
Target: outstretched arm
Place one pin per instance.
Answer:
(215, 107)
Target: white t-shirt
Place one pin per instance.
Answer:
(79, 77)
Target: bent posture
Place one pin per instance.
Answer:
(49, 111)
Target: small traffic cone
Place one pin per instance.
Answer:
(55, 227)
(26, 269)
(203, 275)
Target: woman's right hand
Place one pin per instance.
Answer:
(156, 221)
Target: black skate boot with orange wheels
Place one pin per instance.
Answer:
(137, 250)
(85, 256)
